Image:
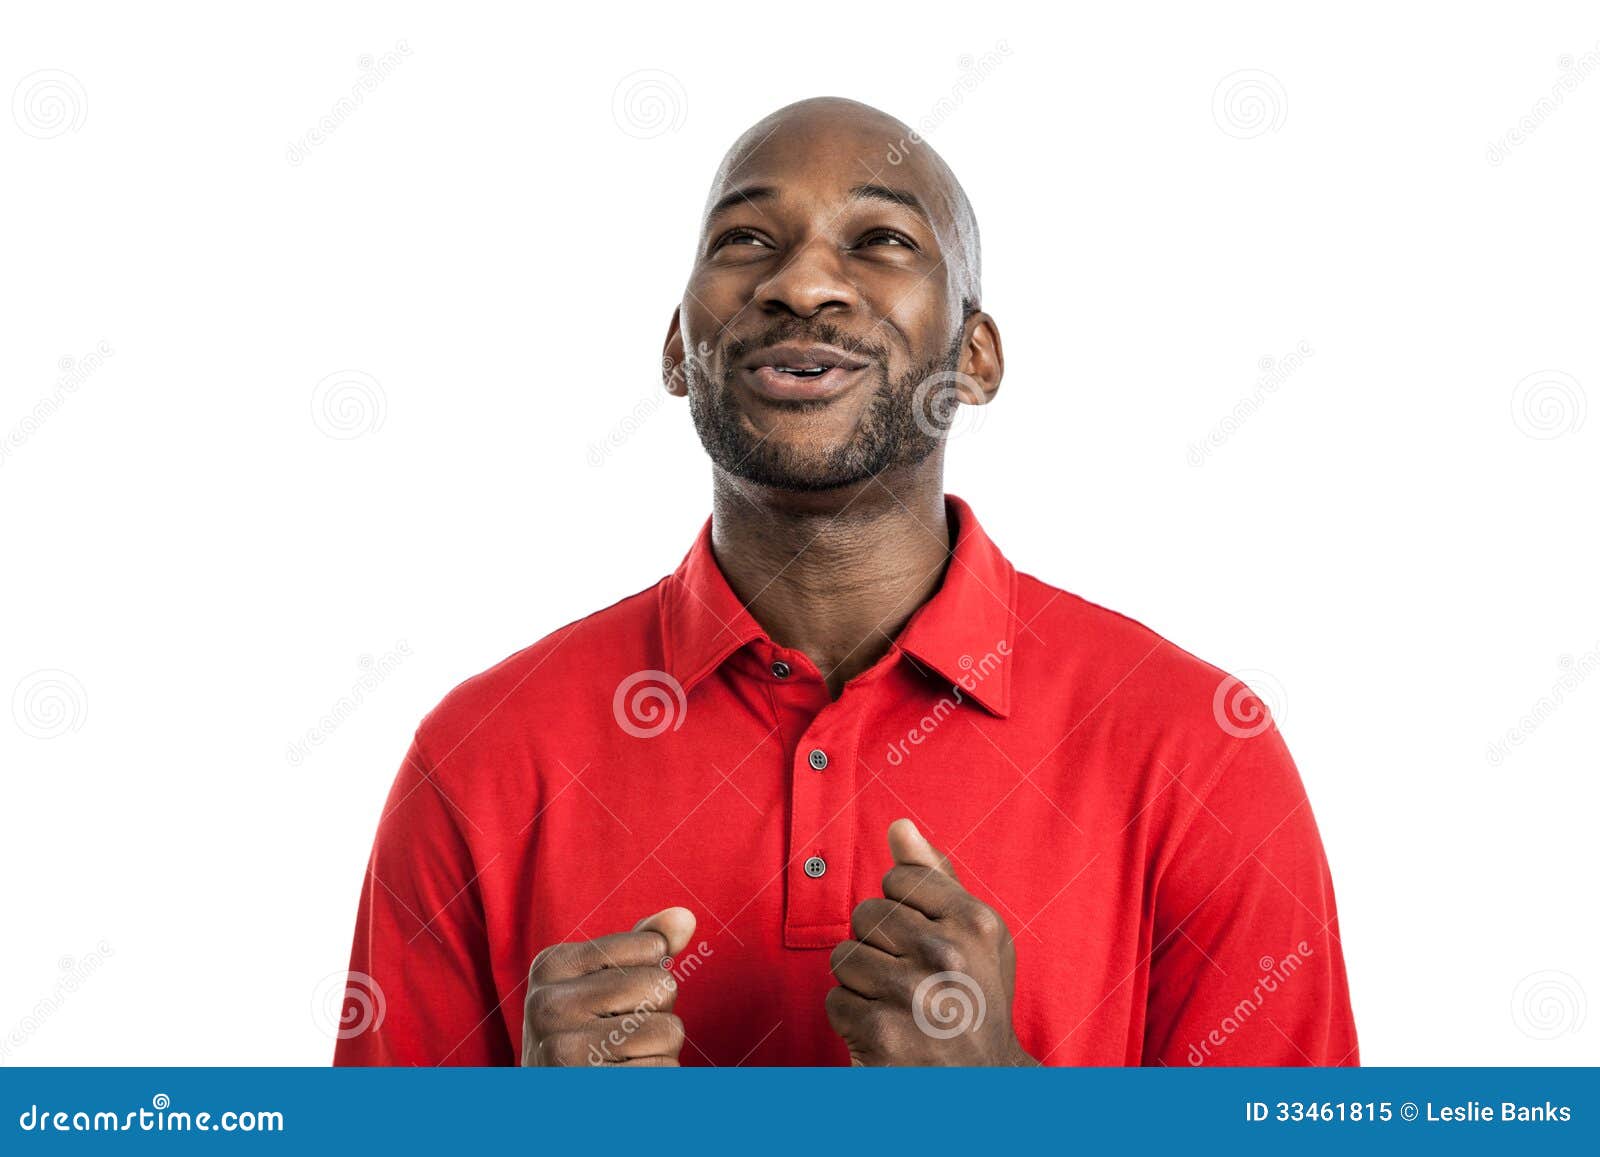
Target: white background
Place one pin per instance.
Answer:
(1397, 547)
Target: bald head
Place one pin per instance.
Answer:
(831, 321)
(879, 151)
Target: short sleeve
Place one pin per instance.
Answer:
(420, 989)
(1247, 967)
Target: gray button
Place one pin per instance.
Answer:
(819, 760)
(815, 866)
(780, 670)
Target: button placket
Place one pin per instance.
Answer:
(822, 826)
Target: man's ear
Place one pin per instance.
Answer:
(983, 361)
(673, 375)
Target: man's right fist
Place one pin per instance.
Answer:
(609, 1000)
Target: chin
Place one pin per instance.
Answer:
(804, 469)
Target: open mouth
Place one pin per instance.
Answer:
(801, 372)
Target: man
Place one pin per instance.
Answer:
(846, 787)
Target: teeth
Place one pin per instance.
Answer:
(809, 372)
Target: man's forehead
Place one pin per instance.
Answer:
(830, 150)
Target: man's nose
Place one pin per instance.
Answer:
(810, 280)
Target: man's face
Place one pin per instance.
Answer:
(819, 302)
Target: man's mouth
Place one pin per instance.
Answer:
(795, 372)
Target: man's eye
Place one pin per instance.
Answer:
(887, 237)
(738, 237)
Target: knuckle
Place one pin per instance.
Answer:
(878, 1023)
(943, 956)
(543, 1004)
(655, 946)
(986, 922)
(842, 951)
(868, 916)
(546, 966)
(674, 1030)
(900, 880)
(837, 1005)
(861, 919)
(562, 1049)
(659, 988)
(912, 880)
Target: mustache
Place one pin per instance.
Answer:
(801, 330)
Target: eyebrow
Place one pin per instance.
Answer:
(904, 197)
(752, 193)
(739, 196)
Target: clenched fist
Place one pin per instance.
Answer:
(607, 1001)
(928, 978)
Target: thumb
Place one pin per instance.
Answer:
(676, 926)
(909, 846)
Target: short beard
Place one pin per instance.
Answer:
(889, 434)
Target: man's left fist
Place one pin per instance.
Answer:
(929, 977)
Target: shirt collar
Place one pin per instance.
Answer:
(966, 632)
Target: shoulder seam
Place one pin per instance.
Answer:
(1205, 793)
(1128, 619)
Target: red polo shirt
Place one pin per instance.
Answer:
(1129, 810)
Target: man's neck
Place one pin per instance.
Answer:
(834, 574)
